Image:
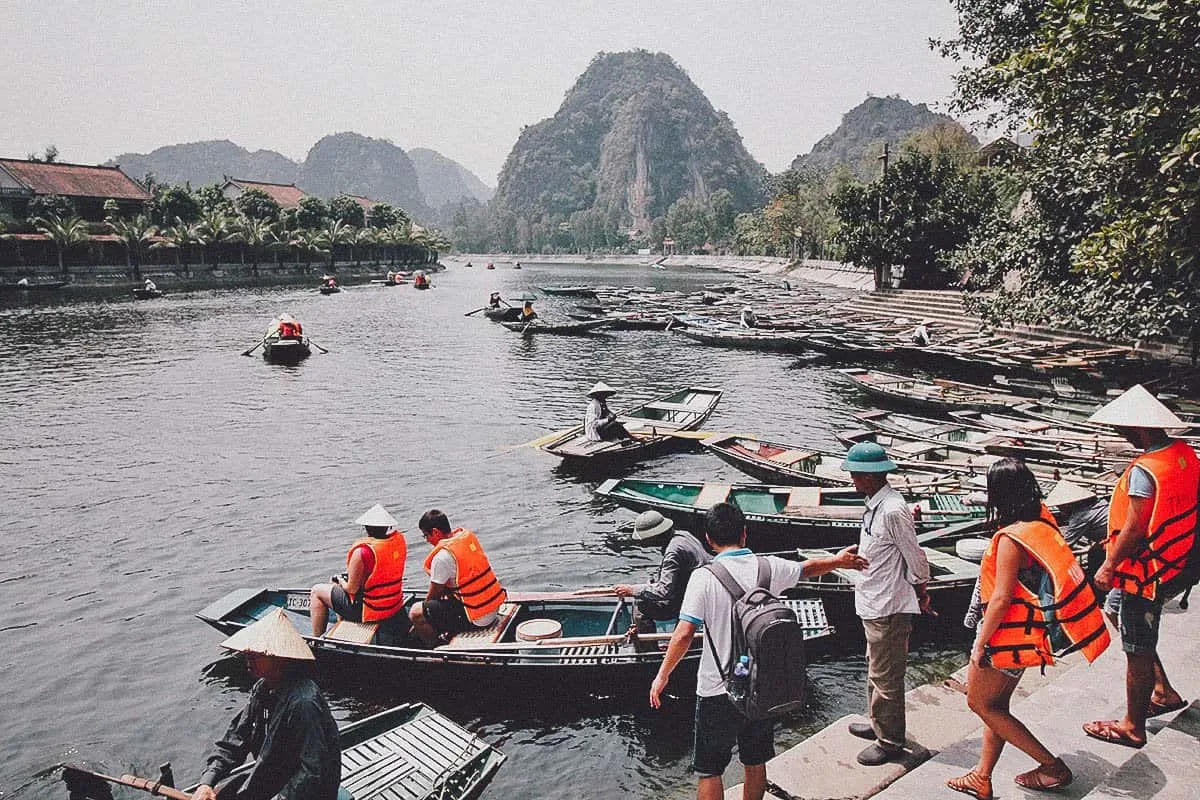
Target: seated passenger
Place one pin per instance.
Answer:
(371, 590)
(527, 313)
(464, 593)
(150, 287)
(600, 424)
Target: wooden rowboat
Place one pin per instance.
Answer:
(655, 426)
(749, 339)
(778, 517)
(594, 652)
(409, 751)
(562, 328)
(146, 294)
(796, 465)
(509, 314)
(937, 395)
(569, 291)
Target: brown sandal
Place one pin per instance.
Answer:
(974, 784)
(1047, 777)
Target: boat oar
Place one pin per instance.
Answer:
(85, 782)
(476, 311)
(538, 442)
(314, 344)
(252, 349)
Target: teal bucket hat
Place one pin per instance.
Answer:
(867, 457)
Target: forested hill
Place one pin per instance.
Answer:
(444, 180)
(201, 163)
(632, 136)
(858, 140)
(344, 162)
(351, 163)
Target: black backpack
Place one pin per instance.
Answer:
(767, 631)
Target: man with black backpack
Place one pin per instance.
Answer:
(736, 600)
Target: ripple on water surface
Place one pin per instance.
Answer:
(146, 468)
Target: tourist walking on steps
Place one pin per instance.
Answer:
(286, 725)
(683, 553)
(372, 588)
(719, 725)
(464, 593)
(1151, 523)
(1027, 570)
(891, 592)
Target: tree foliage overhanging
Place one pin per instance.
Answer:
(1107, 236)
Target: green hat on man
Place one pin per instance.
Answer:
(867, 457)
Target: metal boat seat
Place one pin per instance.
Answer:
(483, 637)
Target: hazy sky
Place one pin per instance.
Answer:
(98, 79)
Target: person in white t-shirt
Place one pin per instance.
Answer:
(706, 602)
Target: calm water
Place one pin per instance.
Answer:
(146, 468)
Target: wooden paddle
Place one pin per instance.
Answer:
(538, 442)
(314, 344)
(476, 311)
(85, 779)
(252, 349)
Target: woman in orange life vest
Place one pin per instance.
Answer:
(1026, 560)
(371, 590)
(464, 593)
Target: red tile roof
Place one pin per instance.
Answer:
(74, 180)
(288, 195)
(366, 202)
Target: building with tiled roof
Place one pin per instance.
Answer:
(87, 187)
(287, 195)
(366, 202)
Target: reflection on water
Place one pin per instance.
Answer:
(147, 468)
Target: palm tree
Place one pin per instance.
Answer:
(399, 235)
(255, 234)
(134, 234)
(213, 229)
(181, 237)
(363, 237)
(65, 233)
(308, 242)
(334, 233)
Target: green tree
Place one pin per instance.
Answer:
(213, 200)
(1111, 90)
(134, 234)
(688, 223)
(257, 205)
(64, 233)
(256, 235)
(334, 233)
(214, 230)
(311, 213)
(51, 206)
(383, 215)
(173, 203)
(180, 237)
(348, 211)
(916, 216)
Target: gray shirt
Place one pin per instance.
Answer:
(660, 599)
(888, 541)
(294, 738)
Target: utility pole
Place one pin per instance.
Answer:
(883, 272)
(884, 159)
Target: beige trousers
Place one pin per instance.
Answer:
(887, 657)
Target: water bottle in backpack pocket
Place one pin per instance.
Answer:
(767, 635)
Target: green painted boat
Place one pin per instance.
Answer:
(779, 517)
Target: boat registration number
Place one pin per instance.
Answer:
(297, 602)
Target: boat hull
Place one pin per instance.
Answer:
(286, 351)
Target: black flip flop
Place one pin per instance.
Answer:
(1158, 709)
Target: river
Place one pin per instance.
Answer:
(147, 468)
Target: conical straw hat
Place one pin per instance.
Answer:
(377, 516)
(1064, 493)
(273, 635)
(1137, 408)
(601, 388)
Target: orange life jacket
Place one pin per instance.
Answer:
(478, 588)
(1023, 638)
(382, 592)
(1176, 473)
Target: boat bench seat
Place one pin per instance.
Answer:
(355, 632)
(804, 497)
(683, 407)
(483, 637)
(789, 457)
(711, 494)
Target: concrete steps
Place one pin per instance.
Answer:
(1056, 713)
(1165, 769)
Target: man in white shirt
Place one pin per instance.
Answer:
(706, 602)
(890, 593)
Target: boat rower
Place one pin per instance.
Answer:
(748, 318)
(286, 725)
(600, 424)
(494, 300)
(372, 588)
(683, 553)
(150, 286)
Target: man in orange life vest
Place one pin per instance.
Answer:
(371, 590)
(1151, 523)
(463, 591)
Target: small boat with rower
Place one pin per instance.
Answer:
(577, 328)
(144, 293)
(410, 751)
(573, 642)
(654, 426)
(284, 341)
